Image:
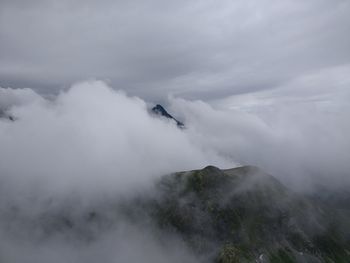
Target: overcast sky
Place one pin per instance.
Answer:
(194, 49)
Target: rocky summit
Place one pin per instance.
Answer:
(160, 111)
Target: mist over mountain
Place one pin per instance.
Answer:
(175, 131)
(93, 175)
(207, 215)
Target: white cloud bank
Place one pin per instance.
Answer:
(79, 152)
(91, 138)
(92, 141)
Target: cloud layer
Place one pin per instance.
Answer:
(298, 132)
(91, 137)
(91, 146)
(193, 49)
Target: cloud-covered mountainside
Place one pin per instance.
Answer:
(90, 175)
(208, 215)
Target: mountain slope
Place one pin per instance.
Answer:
(246, 215)
(222, 216)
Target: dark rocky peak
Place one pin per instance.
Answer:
(159, 110)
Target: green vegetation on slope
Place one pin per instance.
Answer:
(246, 215)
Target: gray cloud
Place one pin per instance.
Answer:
(196, 49)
